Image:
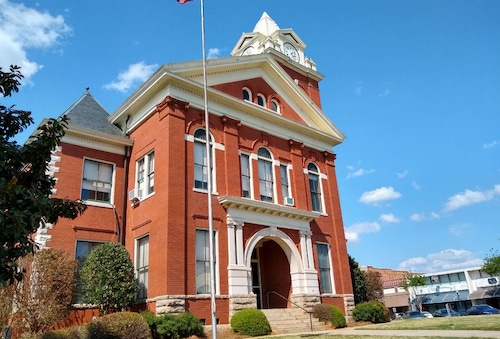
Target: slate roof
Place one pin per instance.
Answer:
(86, 112)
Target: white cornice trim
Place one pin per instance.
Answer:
(266, 213)
(97, 140)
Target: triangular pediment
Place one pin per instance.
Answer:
(303, 121)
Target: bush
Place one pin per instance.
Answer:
(338, 318)
(173, 326)
(121, 325)
(372, 311)
(66, 333)
(251, 322)
(108, 278)
(322, 311)
(331, 313)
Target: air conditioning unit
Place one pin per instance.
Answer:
(289, 201)
(133, 196)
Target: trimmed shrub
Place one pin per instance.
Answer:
(108, 278)
(372, 311)
(173, 326)
(331, 313)
(66, 333)
(322, 311)
(251, 322)
(122, 325)
(338, 318)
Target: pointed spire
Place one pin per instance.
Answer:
(266, 25)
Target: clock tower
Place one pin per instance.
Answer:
(267, 36)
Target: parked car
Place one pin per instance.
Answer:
(482, 309)
(427, 314)
(443, 312)
(414, 314)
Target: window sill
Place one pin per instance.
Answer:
(98, 204)
(200, 190)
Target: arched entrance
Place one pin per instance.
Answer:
(271, 281)
(275, 266)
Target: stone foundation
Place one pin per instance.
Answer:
(170, 304)
(241, 301)
(306, 301)
(349, 306)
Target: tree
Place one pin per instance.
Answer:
(6, 301)
(108, 279)
(43, 297)
(492, 265)
(374, 289)
(25, 186)
(358, 281)
(411, 282)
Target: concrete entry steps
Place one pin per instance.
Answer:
(292, 320)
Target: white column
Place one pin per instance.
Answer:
(239, 244)
(306, 249)
(231, 242)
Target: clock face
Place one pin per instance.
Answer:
(291, 52)
(249, 51)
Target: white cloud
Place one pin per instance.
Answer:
(490, 144)
(417, 217)
(459, 229)
(415, 185)
(423, 217)
(379, 195)
(469, 197)
(136, 73)
(353, 232)
(403, 174)
(23, 28)
(448, 259)
(357, 172)
(389, 218)
(213, 53)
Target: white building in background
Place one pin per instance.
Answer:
(459, 288)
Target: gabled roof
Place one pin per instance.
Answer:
(87, 113)
(184, 81)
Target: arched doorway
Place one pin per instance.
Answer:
(271, 280)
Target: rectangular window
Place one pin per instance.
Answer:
(325, 277)
(245, 175)
(203, 261)
(285, 189)
(97, 181)
(266, 180)
(83, 249)
(200, 166)
(142, 266)
(315, 192)
(145, 175)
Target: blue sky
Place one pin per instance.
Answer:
(414, 85)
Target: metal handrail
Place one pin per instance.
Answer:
(291, 302)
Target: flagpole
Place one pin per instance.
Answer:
(209, 181)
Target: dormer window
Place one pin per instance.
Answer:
(247, 95)
(275, 106)
(261, 100)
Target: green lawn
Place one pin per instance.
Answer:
(472, 323)
(475, 322)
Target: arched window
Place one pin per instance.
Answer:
(266, 178)
(275, 106)
(201, 168)
(261, 100)
(247, 95)
(314, 187)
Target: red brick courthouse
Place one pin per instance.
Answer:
(143, 173)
